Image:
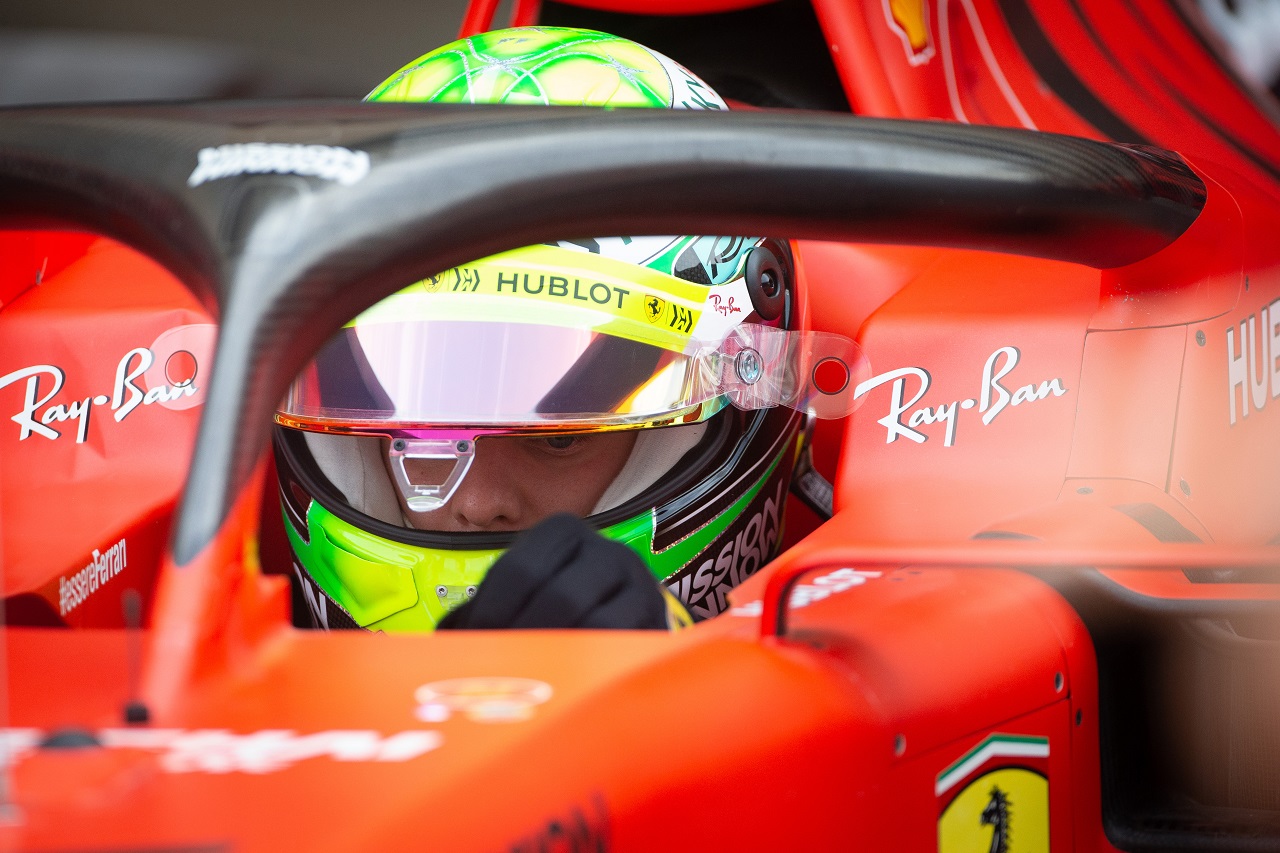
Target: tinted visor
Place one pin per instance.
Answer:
(440, 372)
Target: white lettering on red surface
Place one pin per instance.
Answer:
(905, 419)
(39, 412)
(102, 567)
(804, 594)
(1252, 364)
(222, 751)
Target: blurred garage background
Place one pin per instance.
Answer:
(105, 50)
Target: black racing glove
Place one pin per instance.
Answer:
(561, 573)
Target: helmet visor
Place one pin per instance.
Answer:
(454, 372)
(423, 373)
(436, 373)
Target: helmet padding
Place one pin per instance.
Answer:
(355, 466)
(655, 452)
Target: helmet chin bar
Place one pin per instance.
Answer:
(453, 458)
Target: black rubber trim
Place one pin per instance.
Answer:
(295, 505)
(1158, 522)
(808, 483)
(1208, 608)
(451, 183)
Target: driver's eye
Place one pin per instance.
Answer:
(561, 442)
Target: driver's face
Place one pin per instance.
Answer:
(517, 481)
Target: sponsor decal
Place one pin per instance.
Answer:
(329, 162)
(481, 700)
(909, 19)
(824, 586)
(681, 319)
(559, 287)
(905, 419)
(458, 279)
(996, 797)
(802, 595)
(222, 751)
(654, 308)
(166, 373)
(644, 305)
(102, 567)
(621, 301)
(748, 543)
(1252, 364)
(727, 308)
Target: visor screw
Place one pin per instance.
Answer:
(398, 445)
(441, 591)
(748, 366)
(899, 745)
(471, 591)
(464, 446)
(769, 283)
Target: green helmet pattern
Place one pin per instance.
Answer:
(554, 66)
(562, 66)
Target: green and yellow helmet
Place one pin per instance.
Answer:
(655, 385)
(554, 66)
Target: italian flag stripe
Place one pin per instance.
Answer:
(992, 746)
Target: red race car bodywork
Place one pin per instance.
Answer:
(1043, 614)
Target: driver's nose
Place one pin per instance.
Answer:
(491, 495)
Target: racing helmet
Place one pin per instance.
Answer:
(683, 354)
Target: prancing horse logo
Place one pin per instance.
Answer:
(654, 308)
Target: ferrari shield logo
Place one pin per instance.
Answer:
(910, 20)
(654, 308)
(996, 797)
